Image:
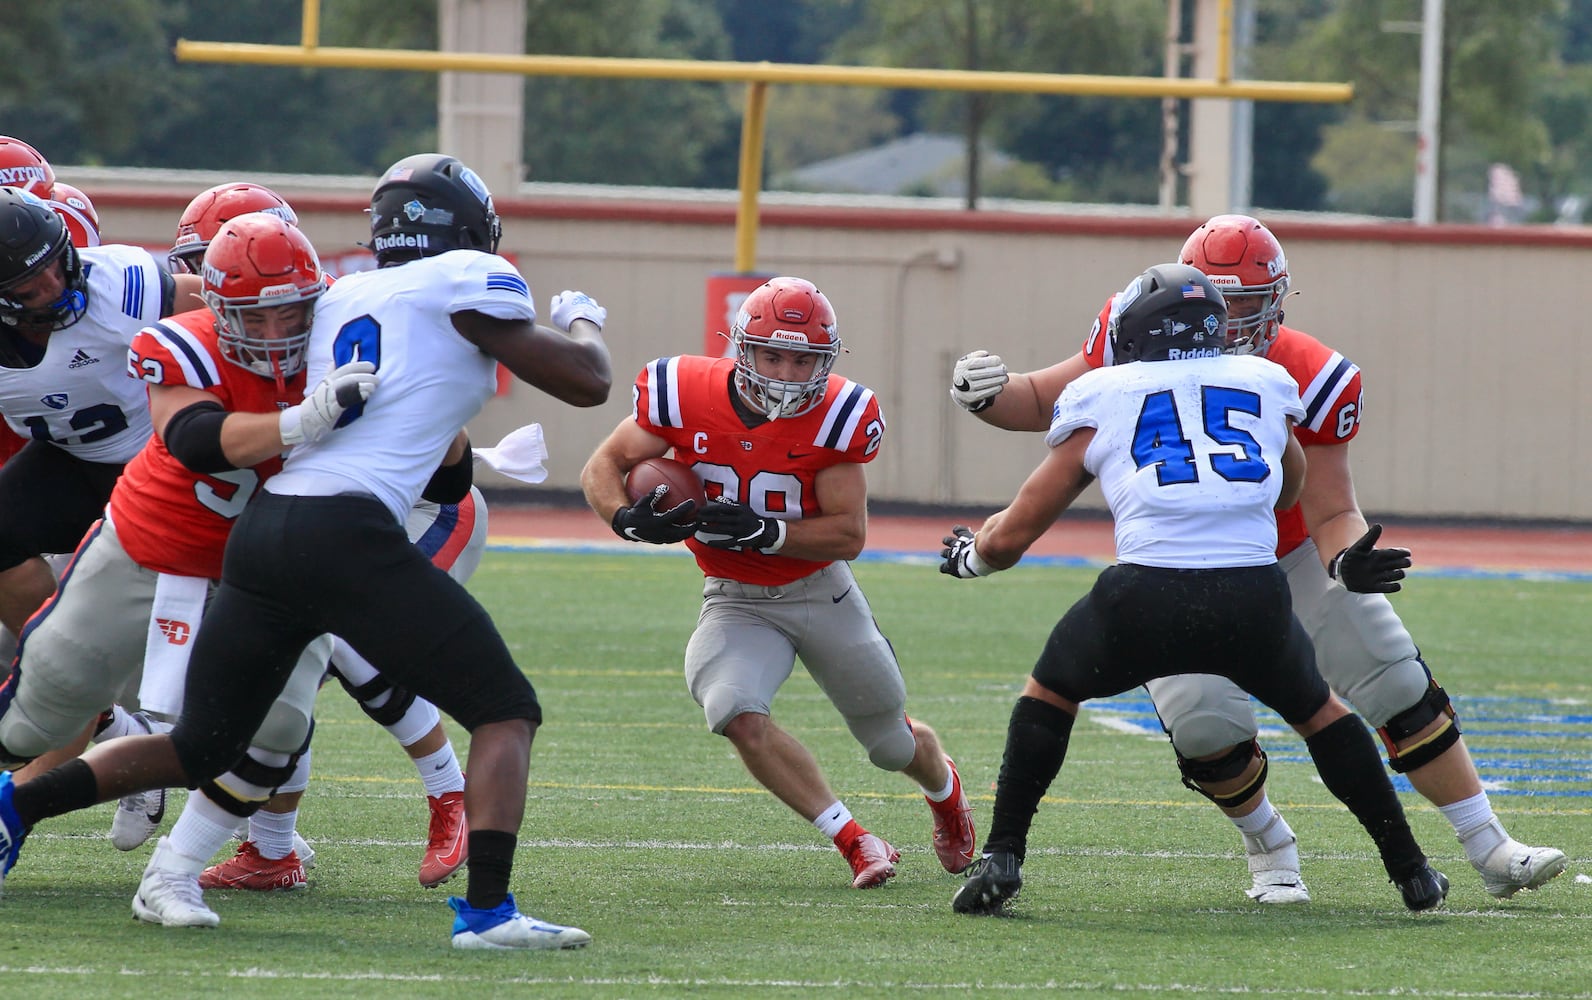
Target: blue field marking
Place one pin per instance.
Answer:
(926, 558)
(1521, 746)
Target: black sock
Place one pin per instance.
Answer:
(62, 790)
(1351, 768)
(491, 862)
(1036, 744)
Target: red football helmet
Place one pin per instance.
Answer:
(259, 261)
(74, 208)
(789, 314)
(1246, 262)
(209, 210)
(21, 166)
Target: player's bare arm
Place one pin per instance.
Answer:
(1332, 514)
(841, 530)
(572, 367)
(1050, 489)
(1293, 474)
(603, 478)
(188, 293)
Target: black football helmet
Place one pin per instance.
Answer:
(33, 238)
(428, 204)
(1168, 313)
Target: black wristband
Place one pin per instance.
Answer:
(193, 437)
(451, 483)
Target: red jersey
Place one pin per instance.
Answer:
(1329, 387)
(169, 518)
(10, 442)
(771, 467)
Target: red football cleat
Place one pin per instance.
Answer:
(953, 826)
(872, 861)
(247, 869)
(448, 842)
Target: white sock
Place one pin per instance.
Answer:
(439, 771)
(833, 819)
(203, 828)
(1264, 829)
(944, 793)
(272, 833)
(1473, 820)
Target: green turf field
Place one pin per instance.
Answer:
(645, 830)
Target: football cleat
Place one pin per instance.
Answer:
(992, 881)
(169, 893)
(137, 818)
(1275, 874)
(250, 870)
(1423, 888)
(447, 842)
(138, 815)
(12, 832)
(954, 838)
(505, 927)
(305, 852)
(1513, 866)
(872, 861)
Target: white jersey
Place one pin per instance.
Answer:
(433, 381)
(1188, 454)
(80, 396)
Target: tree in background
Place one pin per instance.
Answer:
(95, 83)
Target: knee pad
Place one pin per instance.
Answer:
(1228, 766)
(246, 786)
(887, 738)
(379, 698)
(1434, 705)
(286, 729)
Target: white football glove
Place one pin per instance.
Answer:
(959, 558)
(977, 380)
(567, 306)
(342, 388)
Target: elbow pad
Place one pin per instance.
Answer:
(451, 483)
(193, 436)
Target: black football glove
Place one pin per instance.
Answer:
(642, 521)
(1368, 570)
(959, 558)
(725, 524)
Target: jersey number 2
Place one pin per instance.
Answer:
(1159, 440)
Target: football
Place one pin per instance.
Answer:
(651, 473)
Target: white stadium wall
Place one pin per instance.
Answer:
(1470, 339)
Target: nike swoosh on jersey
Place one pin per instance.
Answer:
(842, 597)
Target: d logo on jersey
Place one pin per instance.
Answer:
(55, 400)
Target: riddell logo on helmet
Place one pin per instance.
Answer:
(398, 240)
(1184, 354)
(38, 255)
(789, 336)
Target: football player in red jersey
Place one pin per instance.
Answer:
(780, 444)
(221, 384)
(1337, 575)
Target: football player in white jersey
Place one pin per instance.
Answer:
(1194, 450)
(66, 318)
(1338, 577)
(322, 547)
(273, 856)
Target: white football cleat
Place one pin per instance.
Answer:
(169, 892)
(504, 927)
(1512, 866)
(1275, 873)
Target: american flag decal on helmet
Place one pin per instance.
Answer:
(1193, 292)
